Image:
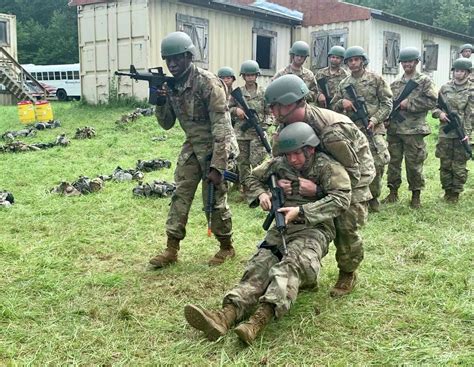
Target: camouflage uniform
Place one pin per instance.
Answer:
(271, 279)
(333, 79)
(406, 138)
(307, 76)
(453, 157)
(251, 149)
(378, 99)
(199, 103)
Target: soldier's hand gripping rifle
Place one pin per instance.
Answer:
(155, 78)
(395, 115)
(278, 199)
(454, 124)
(323, 85)
(252, 118)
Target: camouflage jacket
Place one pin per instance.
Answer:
(328, 175)
(460, 98)
(333, 79)
(377, 94)
(421, 100)
(307, 76)
(256, 101)
(199, 103)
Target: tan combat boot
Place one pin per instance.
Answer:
(214, 324)
(248, 331)
(168, 257)
(225, 252)
(415, 202)
(392, 197)
(344, 285)
(374, 205)
(453, 197)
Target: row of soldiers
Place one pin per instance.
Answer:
(322, 165)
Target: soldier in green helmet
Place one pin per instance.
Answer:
(406, 138)
(272, 278)
(227, 75)
(340, 138)
(299, 52)
(378, 100)
(252, 151)
(466, 50)
(333, 74)
(459, 95)
(197, 99)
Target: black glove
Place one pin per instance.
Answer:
(214, 176)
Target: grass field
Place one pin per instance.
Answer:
(75, 288)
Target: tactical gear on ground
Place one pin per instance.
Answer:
(337, 51)
(169, 256)
(415, 202)
(374, 205)
(355, 51)
(225, 252)
(248, 331)
(6, 199)
(462, 64)
(153, 165)
(156, 188)
(466, 46)
(214, 324)
(392, 197)
(11, 135)
(344, 284)
(82, 186)
(52, 124)
(122, 175)
(295, 136)
(250, 67)
(300, 48)
(133, 116)
(285, 90)
(177, 43)
(409, 54)
(86, 132)
(226, 71)
(19, 146)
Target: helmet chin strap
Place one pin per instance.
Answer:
(282, 118)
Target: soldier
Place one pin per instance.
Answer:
(459, 95)
(378, 99)
(252, 151)
(466, 51)
(341, 138)
(333, 74)
(198, 101)
(227, 75)
(406, 138)
(299, 52)
(272, 279)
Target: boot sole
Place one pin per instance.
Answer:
(198, 320)
(240, 331)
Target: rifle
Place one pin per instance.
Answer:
(155, 78)
(395, 115)
(252, 118)
(211, 197)
(323, 84)
(454, 124)
(278, 200)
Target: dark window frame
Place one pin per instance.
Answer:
(391, 52)
(321, 43)
(198, 29)
(267, 61)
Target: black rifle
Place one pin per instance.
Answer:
(252, 118)
(395, 115)
(454, 124)
(278, 199)
(155, 78)
(323, 85)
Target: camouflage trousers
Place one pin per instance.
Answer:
(413, 147)
(252, 153)
(349, 245)
(453, 160)
(379, 150)
(267, 279)
(187, 176)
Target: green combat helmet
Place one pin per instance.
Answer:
(462, 64)
(177, 43)
(465, 46)
(409, 54)
(286, 90)
(295, 136)
(355, 51)
(250, 67)
(337, 51)
(226, 71)
(299, 48)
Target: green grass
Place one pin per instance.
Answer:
(75, 288)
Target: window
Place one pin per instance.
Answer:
(38, 76)
(321, 43)
(45, 75)
(4, 33)
(69, 75)
(76, 75)
(454, 52)
(63, 75)
(264, 50)
(57, 75)
(430, 57)
(391, 52)
(198, 30)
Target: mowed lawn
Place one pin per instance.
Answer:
(75, 287)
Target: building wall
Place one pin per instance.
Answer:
(11, 46)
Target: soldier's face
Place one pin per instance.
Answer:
(466, 53)
(249, 78)
(289, 113)
(178, 64)
(409, 67)
(298, 60)
(228, 81)
(335, 61)
(460, 74)
(298, 158)
(355, 63)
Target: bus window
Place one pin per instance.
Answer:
(69, 75)
(39, 76)
(57, 75)
(51, 75)
(45, 75)
(76, 74)
(63, 75)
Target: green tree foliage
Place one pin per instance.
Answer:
(47, 30)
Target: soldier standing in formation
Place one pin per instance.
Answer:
(198, 100)
(299, 52)
(333, 74)
(406, 138)
(252, 151)
(271, 280)
(227, 75)
(341, 138)
(378, 99)
(459, 95)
